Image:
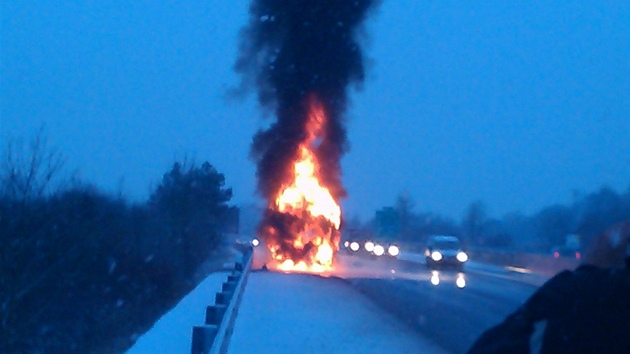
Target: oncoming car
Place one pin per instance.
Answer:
(445, 252)
(385, 249)
(353, 246)
(371, 248)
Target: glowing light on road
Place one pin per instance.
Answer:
(435, 278)
(393, 251)
(354, 246)
(379, 250)
(462, 257)
(461, 281)
(518, 270)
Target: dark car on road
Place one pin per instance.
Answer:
(445, 252)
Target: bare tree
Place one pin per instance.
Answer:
(26, 174)
(27, 171)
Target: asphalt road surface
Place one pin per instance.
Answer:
(450, 308)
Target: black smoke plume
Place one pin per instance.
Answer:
(291, 52)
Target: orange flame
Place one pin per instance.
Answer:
(305, 198)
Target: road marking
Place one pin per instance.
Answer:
(519, 270)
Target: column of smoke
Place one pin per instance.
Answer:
(291, 51)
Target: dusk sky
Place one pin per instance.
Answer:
(514, 103)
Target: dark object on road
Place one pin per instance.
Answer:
(586, 310)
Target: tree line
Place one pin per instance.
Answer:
(83, 270)
(585, 217)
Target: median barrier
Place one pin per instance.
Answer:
(213, 337)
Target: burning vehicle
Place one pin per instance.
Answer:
(302, 223)
(301, 56)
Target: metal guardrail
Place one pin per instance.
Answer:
(214, 336)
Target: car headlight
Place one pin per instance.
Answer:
(436, 256)
(346, 244)
(379, 250)
(369, 246)
(255, 242)
(462, 256)
(393, 250)
(354, 246)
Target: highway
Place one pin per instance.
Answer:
(432, 303)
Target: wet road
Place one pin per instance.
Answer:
(452, 315)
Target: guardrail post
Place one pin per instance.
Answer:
(223, 298)
(202, 339)
(229, 286)
(214, 314)
(214, 336)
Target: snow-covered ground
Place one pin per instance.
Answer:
(173, 332)
(289, 313)
(298, 313)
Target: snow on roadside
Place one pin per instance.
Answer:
(297, 313)
(172, 333)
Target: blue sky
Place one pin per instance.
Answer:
(513, 103)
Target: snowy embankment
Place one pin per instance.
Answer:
(289, 313)
(172, 333)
